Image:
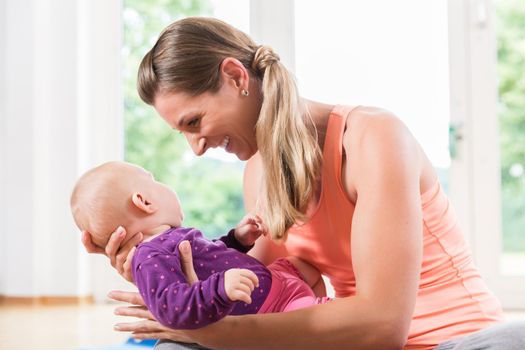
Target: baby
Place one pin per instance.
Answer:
(230, 281)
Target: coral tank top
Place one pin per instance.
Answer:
(452, 300)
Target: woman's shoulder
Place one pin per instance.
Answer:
(368, 126)
(363, 117)
(376, 140)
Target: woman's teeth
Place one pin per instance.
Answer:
(225, 142)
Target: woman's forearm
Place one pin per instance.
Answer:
(347, 323)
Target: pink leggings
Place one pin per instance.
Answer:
(289, 291)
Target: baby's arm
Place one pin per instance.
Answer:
(176, 304)
(244, 235)
(172, 301)
(231, 241)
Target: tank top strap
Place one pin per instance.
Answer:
(333, 144)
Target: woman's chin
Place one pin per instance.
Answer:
(247, 154)
(244, 156)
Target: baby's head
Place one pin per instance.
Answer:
(122, 194)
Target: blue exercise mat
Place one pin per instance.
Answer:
(130, 344)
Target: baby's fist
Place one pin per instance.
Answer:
(239, 284)
(249, 229)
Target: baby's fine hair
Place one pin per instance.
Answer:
(97, 203)
(187, 58)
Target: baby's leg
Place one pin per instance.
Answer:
(310, 275)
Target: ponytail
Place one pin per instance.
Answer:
(288, 146)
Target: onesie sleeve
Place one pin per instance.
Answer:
(168, 296)
(232, 242)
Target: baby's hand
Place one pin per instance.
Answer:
(239, 284)
(249, 229)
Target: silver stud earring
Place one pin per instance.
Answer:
(245, 92)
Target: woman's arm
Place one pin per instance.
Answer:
(382, 171)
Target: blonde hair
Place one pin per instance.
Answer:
(187, 58)
(98, 203)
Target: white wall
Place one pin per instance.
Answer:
(100, 116)
(60, 111)
(280, 34)
(54, 148)
(19, 167)
(3, 128)
(40, 64)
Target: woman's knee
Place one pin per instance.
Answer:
(508, 336)
(514, 335)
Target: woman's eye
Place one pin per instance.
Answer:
(193, 122)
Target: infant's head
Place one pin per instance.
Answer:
(122, 194)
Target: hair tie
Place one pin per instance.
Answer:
(264, 57)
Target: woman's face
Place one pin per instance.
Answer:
(223, 119)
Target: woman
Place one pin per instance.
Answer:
(348, 189)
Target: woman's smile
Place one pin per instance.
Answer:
(225, 142)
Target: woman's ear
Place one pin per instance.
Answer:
(234, 71)
(143, 204)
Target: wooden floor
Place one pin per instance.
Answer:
(58, 327)
(71, 327)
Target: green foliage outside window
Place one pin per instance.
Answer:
(210, 190)
(511, 70)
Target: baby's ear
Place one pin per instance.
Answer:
(142, 203)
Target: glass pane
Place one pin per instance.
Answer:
(510, 31)
(379, 53)
(209, 187)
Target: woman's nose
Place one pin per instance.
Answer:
(197, 144)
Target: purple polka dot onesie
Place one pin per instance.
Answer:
(158, 275)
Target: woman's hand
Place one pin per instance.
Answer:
(148, 327)
(119, 250)
(186, 262)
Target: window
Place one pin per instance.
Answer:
(510, 16)
(209, 187)
(480, 66)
